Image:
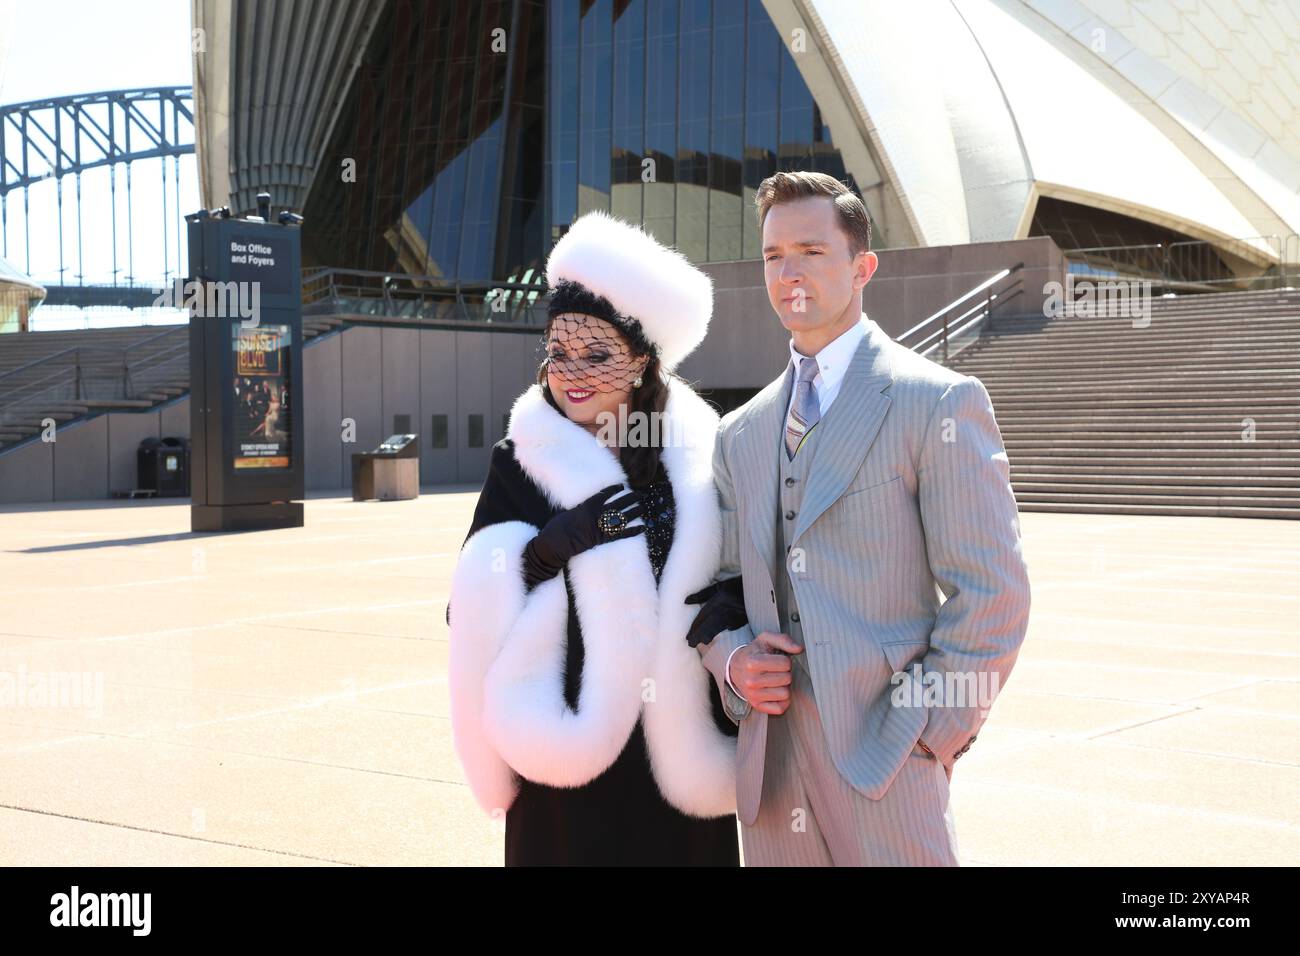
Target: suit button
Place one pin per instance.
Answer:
(789, 516)
(795, 617)
(789, 482)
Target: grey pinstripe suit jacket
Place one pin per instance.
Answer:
(909, 497)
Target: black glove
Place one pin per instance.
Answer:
(723, 610)
(572, 532)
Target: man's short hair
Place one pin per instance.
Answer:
(786, 187)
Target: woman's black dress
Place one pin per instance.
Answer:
(619, 818)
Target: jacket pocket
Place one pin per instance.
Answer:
(906, 691)
(880, 487)
(901, 654)
(873, 512)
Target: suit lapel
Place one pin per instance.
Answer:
(759, 442)
(848, 428)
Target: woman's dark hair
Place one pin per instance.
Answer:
(641, 463)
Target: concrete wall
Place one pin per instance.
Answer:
(912, 284)
(366, 376)
(747, 346)
(87, 459)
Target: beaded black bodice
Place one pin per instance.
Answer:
(660, 518)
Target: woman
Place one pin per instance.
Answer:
(270, 427)
(578, 709)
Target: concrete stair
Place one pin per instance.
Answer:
(32, 390)
(1099, 415)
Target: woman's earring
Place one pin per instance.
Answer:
(637, 383)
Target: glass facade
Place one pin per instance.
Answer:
(480, 130)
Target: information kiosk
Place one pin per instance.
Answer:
(246, 434)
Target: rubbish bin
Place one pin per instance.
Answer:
(163, 466)
(390, 473)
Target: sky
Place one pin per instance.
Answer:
(61, 47)
(52, 48)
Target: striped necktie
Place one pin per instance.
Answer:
(805, 410)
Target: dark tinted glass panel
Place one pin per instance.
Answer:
(728, 131)
(595, 106)
(521, 218)
(438, 431)
(435, 165)
(762, 102)
(694, 95)
(475, 131)
(660, 196)
(563, 109)
(796, 117)
(628, 112)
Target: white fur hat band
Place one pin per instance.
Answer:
(645, 281)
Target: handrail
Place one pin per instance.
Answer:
(415, 283)
(945, 331)
(39, 361)
(72, 373)
(1148, 245)
(90, 348)
(1199, 264)
(397, 293)
(62, 372)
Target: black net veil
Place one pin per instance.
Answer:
(589, 344)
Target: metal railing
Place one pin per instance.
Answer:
(74, 374)
(422, 298)
(1253, 263)
(976, 307)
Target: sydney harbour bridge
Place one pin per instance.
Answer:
(109, 233)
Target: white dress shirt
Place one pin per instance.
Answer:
(832, 362)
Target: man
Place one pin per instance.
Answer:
(855, 488)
